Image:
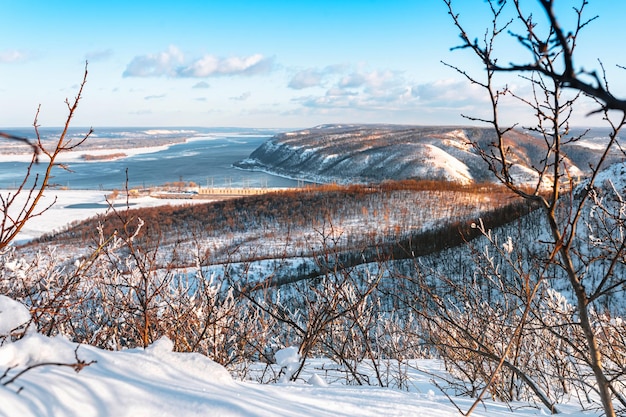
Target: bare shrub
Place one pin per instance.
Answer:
(584, 264)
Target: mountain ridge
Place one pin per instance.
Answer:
(365, 153)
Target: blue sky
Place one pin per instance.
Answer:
(255, 63)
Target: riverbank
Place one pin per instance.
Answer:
(71, 206)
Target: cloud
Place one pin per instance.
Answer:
(387, 90)
(155, 65)
(154, 97)
(373, 81)
(100, 55)
(210, 66)
(10, 56)
(449, 93)
(313, 77)
(364, 90)
(338, 98)
(340, 92)
(242, 97)
(362, 93)
(172, 63)
(306, 79)
(353, 80)
(201, 84)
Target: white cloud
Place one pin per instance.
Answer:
(383, 93)
(373, 90)
(353, 80)
(449, 93)
(242, 97)
(340, 92)
(210, 65)
(314, 77)
(378, 86)
(306, 79)
(172, 63)
(12, 55)
(155, 65)
(154, 97)
(201, 84)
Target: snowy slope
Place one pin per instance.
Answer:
(372, 153)
(159, 382)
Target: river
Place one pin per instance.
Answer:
(205, 159)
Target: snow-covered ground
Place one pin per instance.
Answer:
(68, 206)
(159, 382)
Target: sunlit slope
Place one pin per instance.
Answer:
(372, 153)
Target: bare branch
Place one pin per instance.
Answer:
(16, 212)
(25, 140)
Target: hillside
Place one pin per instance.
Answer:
(298, 223)
(364, 277)
(373, 153)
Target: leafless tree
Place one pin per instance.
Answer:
(557, 85)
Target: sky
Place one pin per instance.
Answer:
(273, 63)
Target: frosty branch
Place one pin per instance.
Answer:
(549, 74)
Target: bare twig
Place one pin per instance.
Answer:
(78, 366)
(36, 149)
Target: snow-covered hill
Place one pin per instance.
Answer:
(371, 153)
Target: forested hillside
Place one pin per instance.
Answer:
(295, 223)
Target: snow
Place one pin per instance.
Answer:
(596, 143)
(287, 356)
(78, 156)
(12, 315)
(613, 178)
(68, 206)
(455, 169)
(289, 360)
(159, 382)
